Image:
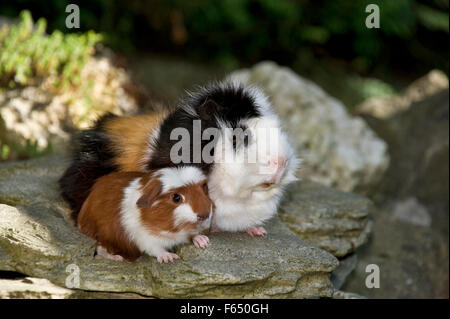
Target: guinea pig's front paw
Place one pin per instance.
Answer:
(200, 241)
(258, 231)
(102, 252)
(166, 257)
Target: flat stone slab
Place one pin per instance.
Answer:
(39, 288)
(38, 239)
(333, 220)
(29, 287)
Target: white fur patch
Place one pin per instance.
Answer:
(184, 213)
(175, 177)
(130, 217)
(261, 100)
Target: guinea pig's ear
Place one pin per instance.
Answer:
(149, 193)
(208, 109)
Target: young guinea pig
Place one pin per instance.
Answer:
(245, 193)
(131, 213)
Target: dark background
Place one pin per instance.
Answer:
(412, 39)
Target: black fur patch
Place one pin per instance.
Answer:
(230, 103)
(226, 103)
(92, 158)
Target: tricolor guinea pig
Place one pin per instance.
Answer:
(233, 136)
(132, 213)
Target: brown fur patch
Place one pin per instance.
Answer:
(100, 215)
(130, 136)
(150, 190)
(159, 217)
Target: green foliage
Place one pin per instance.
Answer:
(4, 151)
(252, 30)
(31, 149)
(433, 19)
(233, 32)
(370, 87)
(28, 149)
(27, 53)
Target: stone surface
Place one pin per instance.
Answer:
(331, 219)
(37, 240)
(35, 288)
(339, 294)
(387, 106)
(411, 211)
(413, 260)
(17, 286)
(345, 268)
(410, 240)
(418, 139)
(338, 150)
(31, 114)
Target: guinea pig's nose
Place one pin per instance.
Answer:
(278, 161)
(202, 217)
(276, 168)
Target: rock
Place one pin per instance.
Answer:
(36, 239)
(113, 90)
(413, 260)
(345, 268)
(419, 142)
(338, 294)
(411, 211)
(338, 150)
(410, 240)
(24, 287)
(36, 117)
(31, 114)
(34, 288)
(330, 219)
(386, 106)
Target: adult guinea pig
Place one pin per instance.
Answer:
(131, 213)
(246, 193)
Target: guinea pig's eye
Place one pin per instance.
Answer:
(205, 188)
(246, 138)
(177, 198)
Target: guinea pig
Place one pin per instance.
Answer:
(247, 192)
(224, 123)
(131, 213)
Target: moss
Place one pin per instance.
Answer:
(13, 200)
(28, 54)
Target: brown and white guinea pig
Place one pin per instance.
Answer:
(245, 193)
(131, 213)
